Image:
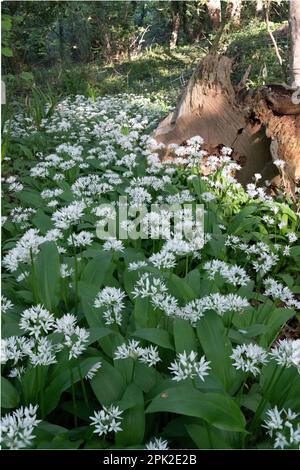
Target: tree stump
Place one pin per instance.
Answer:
(261, 125)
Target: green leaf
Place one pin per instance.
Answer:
(42, 221)
(277, 318)
(108, 384)
(217, 409)
(62, 380)
(96, 269)
(241, 220)
(9, 395)
(184, 337)
(133, 422)
(217, 347)
(7, 51)
(156, 336)
(207, 438)
(47, 268)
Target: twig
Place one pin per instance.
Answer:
(271, 34)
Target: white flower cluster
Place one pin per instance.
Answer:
(187, 366)
(284, 427)
(107, 420)
(220, 303)
(17, 428)
(233, 274)
(157, 443)
(278, 291)
(41, 350)
(111, 300)
(148, 355)
(249, 358)
(287, 353)
(260, 255)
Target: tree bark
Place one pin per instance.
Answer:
(260, 126)
(294, 20)
(233, 11)
(175, 24)
(214, 11)
(259, 8)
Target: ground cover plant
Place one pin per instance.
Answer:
(157, 343)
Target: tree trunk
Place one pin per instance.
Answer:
(175, 24)
(259, 8)
(294, 20)
(260, 126)
(233, 11)
(214, 11)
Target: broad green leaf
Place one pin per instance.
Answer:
(156, 336)
(63, 380)
(240, 220)
(96, 269)
(9, 395)
(133, 422)
(47, 268)
(217, 347)
(184, 337)
(108, 384)
(216, 408)
(207, 437)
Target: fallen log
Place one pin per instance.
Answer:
(260, 125)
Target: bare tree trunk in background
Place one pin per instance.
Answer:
(259, 8)
(175, 23)
(294, 20)
(61, 39)
(214, 11)
(233, 11)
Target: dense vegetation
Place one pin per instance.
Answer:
(156, 343)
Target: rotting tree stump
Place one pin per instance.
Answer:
(260, 125)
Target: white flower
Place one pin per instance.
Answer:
(132, 349)
(66, 324)
(44, 353)
(284, 427)
(111, 299)
(233, 274)
(76, 341)
(6, 304)
(107, 420)
(148, 287)
(248, 358)
(148, 355)
(292, 237)
(287, 353)
(157, 443)
(17, 428)
(66, 216)
(15, 348)
(113, 244)
(17, 372)
(65, 271)
(36, 320)
(279, 291)
(136, 265)
(82, 238)
(26, 247)
(163, 260)
(90, 374)
(187, 366)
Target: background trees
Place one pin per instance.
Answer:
(66, 37)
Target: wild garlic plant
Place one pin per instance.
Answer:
(118, 340)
